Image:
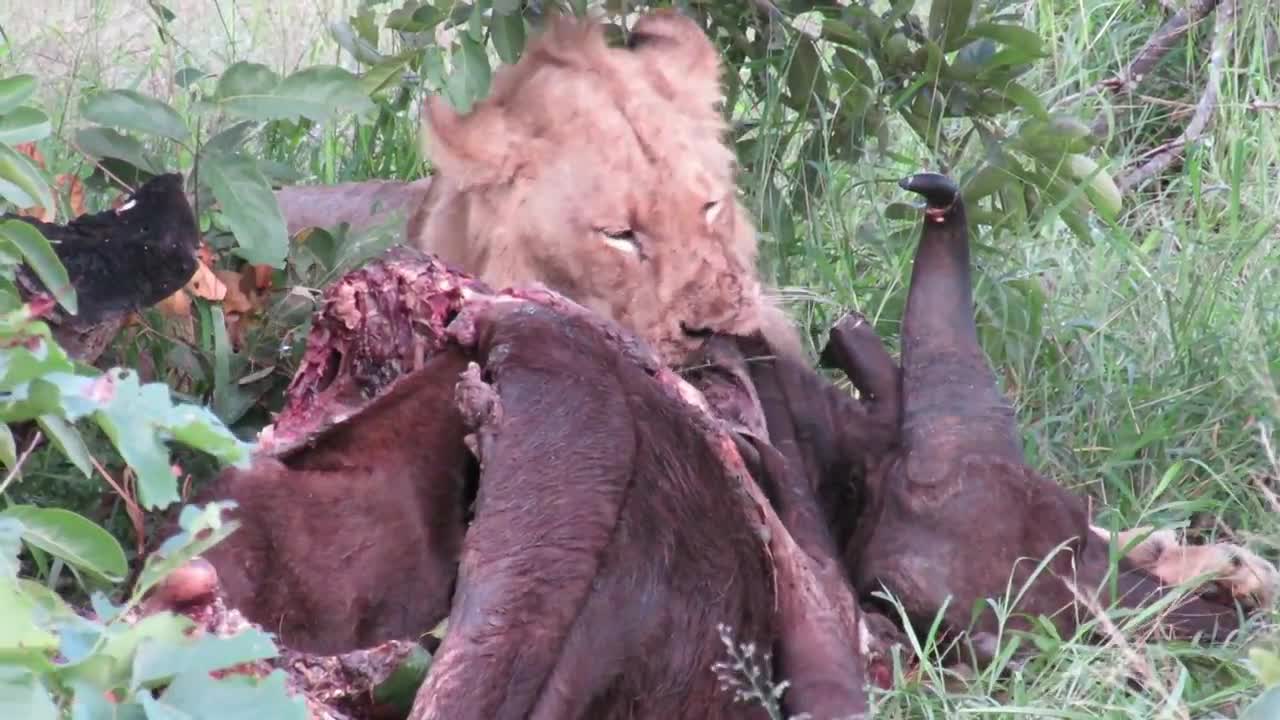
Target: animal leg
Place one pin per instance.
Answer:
(1234, 570)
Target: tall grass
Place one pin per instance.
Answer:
(1147, 377)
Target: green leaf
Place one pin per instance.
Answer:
(134, 111)
(804, 75)
(348, 39)
(198, 696)
(400, 688)
(156, 664)
(414, 19)
(89, 703)
(22, 695)
(317, 93)
(24, 124)
(948, 21)
(8, 448)
(1266, 707)
(15, 90)
(1102, 190)
(43, 261)
(508, 35)
(103, 142)
(19, 634)
(250, 207)
(246, 79)
(1265, 665)
(66, 535)
(1025, 98)
(68, 439)
(469, 81)
(35, 359)
(201, 527)
(10, 547)
(188, 76)
(1016, 36)
(987, 180)
(380, 76)
(21, 183)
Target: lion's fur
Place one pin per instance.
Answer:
(576, 143)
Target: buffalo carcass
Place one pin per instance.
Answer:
(584, 563)
(953, 516)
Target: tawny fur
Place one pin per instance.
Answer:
(1234, 568)
(602, 172)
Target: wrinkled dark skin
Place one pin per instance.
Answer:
(954, 510)
(606, 544)
(355, 540)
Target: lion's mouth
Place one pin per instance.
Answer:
(697, 332)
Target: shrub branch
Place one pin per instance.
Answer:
(1164, 39)
(1160, 158)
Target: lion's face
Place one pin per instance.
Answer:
(602, 173)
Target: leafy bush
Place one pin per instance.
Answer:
(52, 659)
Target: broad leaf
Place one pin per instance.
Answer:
(246, 79)
(71, 537)
(316, 93)
(202, 528)
(24, 124)
(68, 439)
(10, 546)
(22, 695)
(508, 36)
(158, 663)
(132, 110)
(15, 90)
(235, 697)
(469, 81)
(1266, 707)
(250, 207)
(103, 142)
(20, 182)
(43, 261)
(948, 21)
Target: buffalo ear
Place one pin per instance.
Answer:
(679, 57)
(481, 147)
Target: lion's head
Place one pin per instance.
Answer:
(601, 172)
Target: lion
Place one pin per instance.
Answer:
(601, 172)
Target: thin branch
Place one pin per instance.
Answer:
(1161, 158)
(17, 466)
(1149, 56)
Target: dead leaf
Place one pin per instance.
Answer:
(205, 253)
(205, 284)
(236, 300)
(42, 214)
(261, 276)
(75, 194)
(31, 151)
(39, 213)
(177, 305)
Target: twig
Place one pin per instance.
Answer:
(17, 466)
(1149, 56)
(131, 506)
(1162, 157)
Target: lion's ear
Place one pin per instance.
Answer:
(481, 147)
(679, 54)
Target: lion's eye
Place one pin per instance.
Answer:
(622, 239)
(711, 211)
